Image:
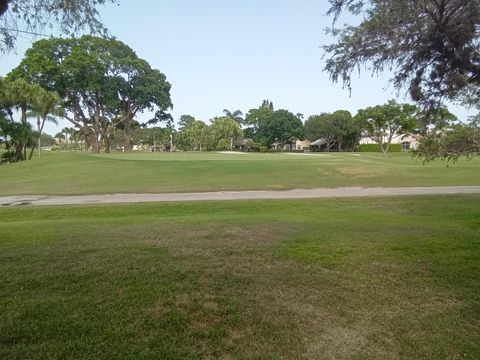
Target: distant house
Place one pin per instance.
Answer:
(407, 141)
(244, 144)
(297, 145)
(324, 145)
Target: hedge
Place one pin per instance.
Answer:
(376, 148)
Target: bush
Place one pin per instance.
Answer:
(376, 148)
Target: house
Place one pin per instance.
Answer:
(242, 144)
(324, 145)
(408, 141)
(294, 145)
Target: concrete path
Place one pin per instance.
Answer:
(37, 200)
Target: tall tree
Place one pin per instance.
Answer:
(69, 17)
(457, 141)
(102, 84)
(339, 127)
(44, 104)
(432, 45)
(235, 115)
(384, 122)
(185, 121)
(225, 131)
(280, 126)
(20, 95)
(198, 134)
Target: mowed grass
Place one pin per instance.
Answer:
(76, 173)
(377, 278)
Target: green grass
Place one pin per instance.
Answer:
(348, 278)
(75, 173)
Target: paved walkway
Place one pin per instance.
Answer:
(38, 200)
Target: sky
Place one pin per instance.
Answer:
(232, 54)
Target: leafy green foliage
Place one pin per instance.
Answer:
(384, 122)
(451, 144)
(235, 115)
(224, 131)
(431, 45)
(102, 83)
(340, 128)
(268, 126)
(70, 17)
(377, 148)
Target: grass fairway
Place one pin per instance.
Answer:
(353, 278)
(75, 173)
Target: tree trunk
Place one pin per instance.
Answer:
(31, 152)
(127, 134)
(40, 127)
(95, 144)
(385, 147)
(107, 144)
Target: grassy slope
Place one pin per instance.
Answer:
(63, 173)
(351, 278)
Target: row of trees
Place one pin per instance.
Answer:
(267, 126)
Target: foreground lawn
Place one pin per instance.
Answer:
(353, 278)
(76, 173)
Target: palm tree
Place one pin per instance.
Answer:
(21, 95)
(236, 115)
(226, 130)
(44, 104)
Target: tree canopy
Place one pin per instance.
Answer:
(69, 17)
(432, 46)
(339, 127)
(102, 83)
(384, 122)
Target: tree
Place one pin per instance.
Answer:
(339, 127)
(197, 134)
(44, 104)
(255, 119)
(225, 130)
(102, 84)
(451, 144)
(280, 126)
(22, 96)
(31, 16)
(384, 122)
(17, 137)
(432, 45)
(236, 115)
(185, 121)
(267, 104)
(433, 120)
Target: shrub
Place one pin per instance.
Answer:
(376, 148)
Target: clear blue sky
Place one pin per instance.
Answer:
(232, 54)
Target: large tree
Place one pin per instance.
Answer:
(384, 122)
(339, 127)
(281, 127)
(432, 46)
(225, 131)
(18, 94)
(102, 84)
(31, 16)
(234, 115)
(198, 135)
